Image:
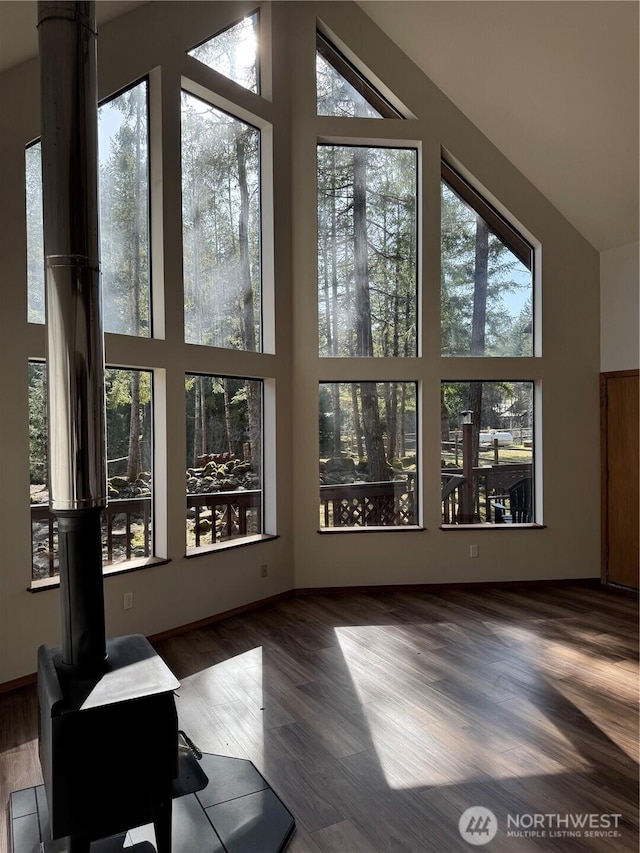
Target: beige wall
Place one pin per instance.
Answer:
(620, 308)
(155, 37)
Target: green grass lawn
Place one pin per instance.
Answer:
(512, 453)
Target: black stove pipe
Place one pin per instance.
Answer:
(75, 349)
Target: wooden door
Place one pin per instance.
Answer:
(620, 427)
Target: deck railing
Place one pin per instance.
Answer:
(238, 513)
(378, 504)
(392, 503)
(126, 526)
(230, 514)
(491, 484)
(118, 520)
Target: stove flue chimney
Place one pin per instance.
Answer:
(75, 350)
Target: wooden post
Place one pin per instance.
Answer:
(466, 514)
(496, 457)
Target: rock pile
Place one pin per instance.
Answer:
(120, 488)
(222, 476)
(344, 469)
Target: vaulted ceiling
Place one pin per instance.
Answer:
(554, 85)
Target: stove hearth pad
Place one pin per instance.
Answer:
(236, 812)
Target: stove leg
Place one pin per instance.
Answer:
(162, 826)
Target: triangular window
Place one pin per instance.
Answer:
(486, 305)
(233, 52)
(342, 90)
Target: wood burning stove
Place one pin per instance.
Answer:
(108, 743)
(108, 722)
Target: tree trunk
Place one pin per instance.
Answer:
(200, 420)
(335, 388)
(444, 418)
(227, 416)
(337, 426)
(402, 450)
(481, 274)
(402, 446)
(357, 425)
(392, 419)
(376, 459)
(392, 411)
(475, 404)
(364, 343)
(327, 303)
(478, 325)
(334, 263)
(255, 426)
(246, 288)
(248, 321)
(198, 405)
(198, 298)
(203, 415)
(133, 456)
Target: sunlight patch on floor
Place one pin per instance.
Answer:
(224, 713)
(448, 742)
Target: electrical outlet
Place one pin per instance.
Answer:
(127, 601)
(264, 570)
(473, 550)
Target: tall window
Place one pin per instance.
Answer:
(124, 216)
(224, 460)
(124, 212)
(127, 523)
(368, 454)
(367, 214)
(221, 227)
(487, 428)
(367, 251)
(487, 277)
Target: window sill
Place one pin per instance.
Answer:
(491, 526)
(109, 571)
(405, 528)
(231, 543)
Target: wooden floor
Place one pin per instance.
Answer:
(379, 718)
